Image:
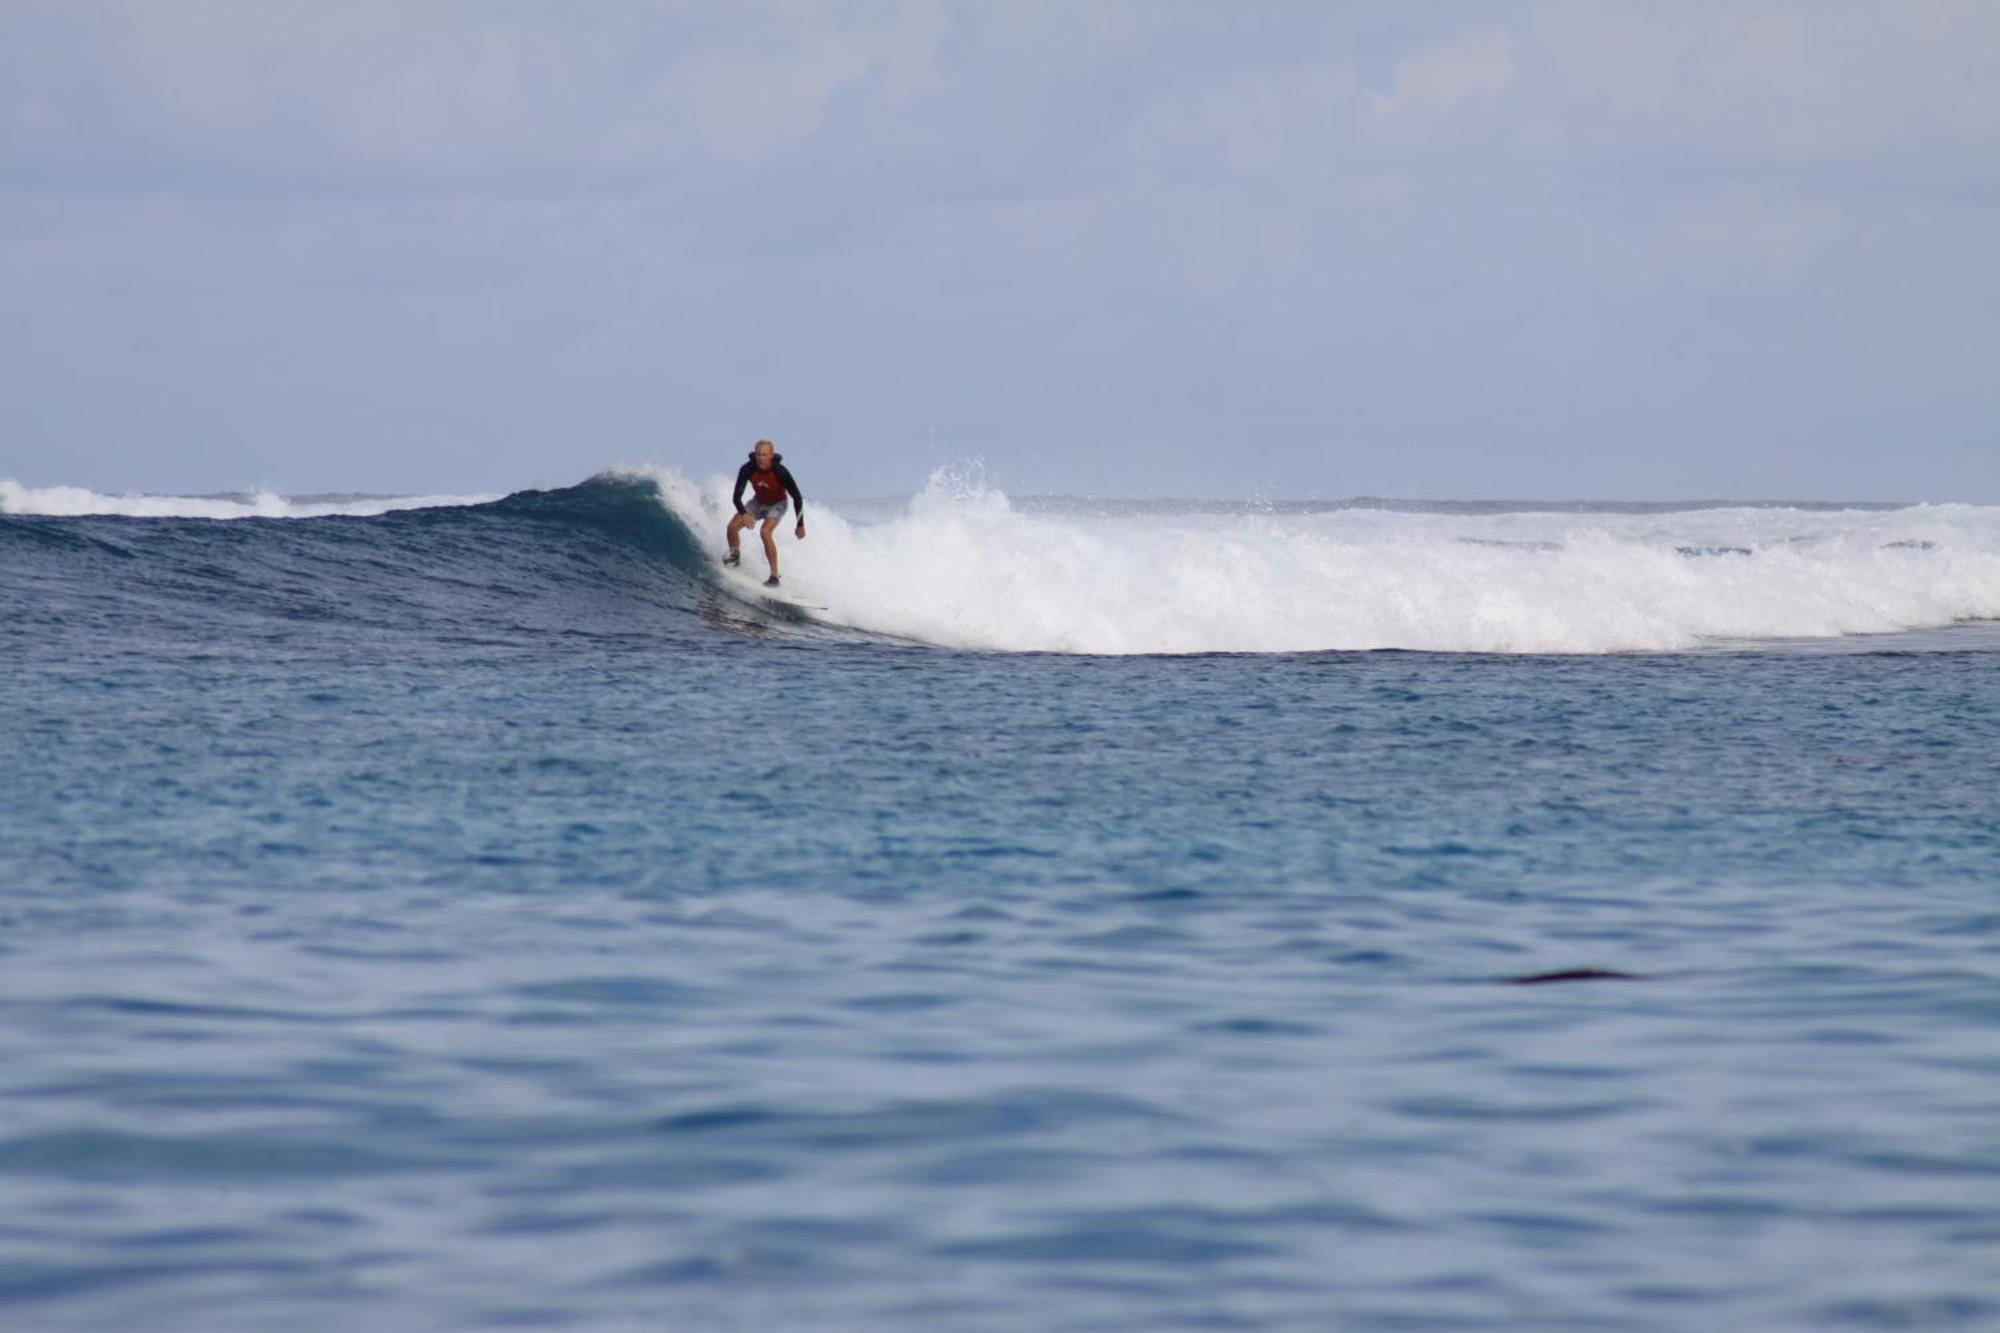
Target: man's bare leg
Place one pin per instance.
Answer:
(771, 544)
(736, 526)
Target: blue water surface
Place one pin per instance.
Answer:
(475, 918)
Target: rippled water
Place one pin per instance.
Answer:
(495, 950)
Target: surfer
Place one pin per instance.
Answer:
(770, 481)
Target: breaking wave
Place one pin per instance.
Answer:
(77, 502)
(961, 566)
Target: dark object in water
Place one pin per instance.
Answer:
(1571, 974)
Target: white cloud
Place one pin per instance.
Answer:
(1477, 63)
(1308, 119)
(749, 105)
(1262, 123)
(363, 90)
(1842, 82)
(452, 91)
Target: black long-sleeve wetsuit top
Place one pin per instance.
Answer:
(770, 487)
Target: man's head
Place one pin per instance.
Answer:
(764, 453)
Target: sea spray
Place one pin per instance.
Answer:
(962, 567)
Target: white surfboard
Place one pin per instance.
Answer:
(777, 596)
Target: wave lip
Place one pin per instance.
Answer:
(79, 502)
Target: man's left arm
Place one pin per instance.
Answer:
(798, 501)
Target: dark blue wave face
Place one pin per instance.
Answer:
(602, 558)
(475, 917)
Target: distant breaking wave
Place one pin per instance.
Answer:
(961, 567)
(76, 502)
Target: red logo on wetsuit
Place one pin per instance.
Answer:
(768, 488)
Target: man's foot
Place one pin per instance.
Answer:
(733, 559)
(771, 582)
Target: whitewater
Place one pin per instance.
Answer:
(961, 566)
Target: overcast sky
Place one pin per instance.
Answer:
(1597, 249)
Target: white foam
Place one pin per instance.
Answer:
(961, 567)
(76, 502)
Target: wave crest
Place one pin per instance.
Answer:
(78, 502)
(960, 566)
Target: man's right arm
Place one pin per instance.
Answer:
(742, 480)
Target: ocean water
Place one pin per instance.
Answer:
(486, 913)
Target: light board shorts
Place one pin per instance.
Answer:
(760, 511)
